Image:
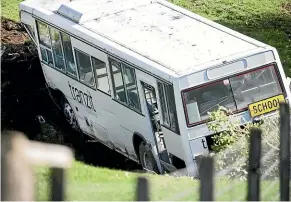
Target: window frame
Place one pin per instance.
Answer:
(169, 126)
(77, 66)
(110, 59)
(125, 86)
(62, 49)
(76, 77)
(31, 32)
(96, 76)
(275, 66)
(43, 46)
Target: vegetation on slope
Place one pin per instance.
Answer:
(268, 21)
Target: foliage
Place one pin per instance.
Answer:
(231, 143)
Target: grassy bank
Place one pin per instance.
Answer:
(91, 183)
(268, 21)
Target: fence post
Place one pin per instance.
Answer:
(17, 182)
(284, 152)
(254, 165)
(206, 178)
(142, 189)
(57, 184)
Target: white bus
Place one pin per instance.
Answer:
(140, 75)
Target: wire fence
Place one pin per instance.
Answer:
(267, 173)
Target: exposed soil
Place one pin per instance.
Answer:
(24, 97)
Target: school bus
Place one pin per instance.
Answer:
(140, 76)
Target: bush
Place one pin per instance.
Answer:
(231, 144)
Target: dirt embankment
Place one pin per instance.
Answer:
(24, 96)
(22, 80)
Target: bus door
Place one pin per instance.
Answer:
(154, 116)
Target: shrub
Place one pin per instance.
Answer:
(231, 143)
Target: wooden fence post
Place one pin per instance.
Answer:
(142, 190)
(17, 182)
(206, 178)
(284, 152)
(57, 184)
(254, 165)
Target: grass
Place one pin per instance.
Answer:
(90, 183)
(264, 20)
(9, 9)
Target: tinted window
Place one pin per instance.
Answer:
(69, 56)
(101, 74)
(57, 48)
(84, 67)
(43, 33)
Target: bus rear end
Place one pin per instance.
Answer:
(249, 94)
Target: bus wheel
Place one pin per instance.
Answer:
(69, 114)
(147, 159)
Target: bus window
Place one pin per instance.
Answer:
(50, 57)
(85, 68)
(45, 43)
(43, 33)
(43, 54)
(69, 56)
(169, 91)
(169, 114)
(57, 48)
(124, 84)
(119, 91)
(164, 108)
(131, 87)
(101, 75)
(234, 93)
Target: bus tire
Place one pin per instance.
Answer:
(69, 114)
(147, 159)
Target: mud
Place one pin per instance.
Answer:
(24, 97)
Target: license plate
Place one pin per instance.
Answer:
(265, 106)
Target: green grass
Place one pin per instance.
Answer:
(264, 20)
(90, 183)
(9, 9)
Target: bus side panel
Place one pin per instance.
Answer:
(119, 120)
(72, 91)
(173, 143)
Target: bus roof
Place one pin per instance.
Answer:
(177, 39)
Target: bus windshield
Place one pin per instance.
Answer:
(234, 93)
